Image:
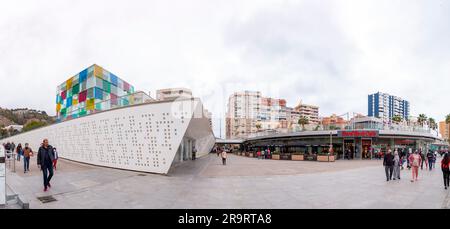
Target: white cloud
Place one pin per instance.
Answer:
(329, 53)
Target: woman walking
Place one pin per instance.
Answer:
(55, 156)
(397, 163)
(19, 151)
(415, 161)
(224, 157)
(445, 170)
(27, 153)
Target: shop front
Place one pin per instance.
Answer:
(367, 152)
(358, 143)
(347, 144)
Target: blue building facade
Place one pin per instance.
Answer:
(385, 106)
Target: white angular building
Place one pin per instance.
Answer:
(147, 137)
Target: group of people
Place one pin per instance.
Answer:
(264, 154)
(47, 158)
(393, 164)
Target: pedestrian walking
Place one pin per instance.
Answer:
(19, 151)
(27, 153)
(408, 165)
(388, 163)
(430, 158)
(44, 161)
(435, 154)
(218, 151)
(415, 161)
(56, 157)
(423, 161)
(12, 147)
(445, 164)
(263, 154)
(397, 164)
(224, 157)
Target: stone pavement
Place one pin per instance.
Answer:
(242, 183)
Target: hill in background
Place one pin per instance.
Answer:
(28, 118)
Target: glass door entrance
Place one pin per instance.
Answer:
(349, 148)
(366, 148)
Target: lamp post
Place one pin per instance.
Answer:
(331, 145)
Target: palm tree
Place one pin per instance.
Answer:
(432, 123)
(258, 126)
(422, 119)
(303, 121)
(447, 121)
(397, 118)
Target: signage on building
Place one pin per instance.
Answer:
(2, 177)
(404, 142)
(359, 134)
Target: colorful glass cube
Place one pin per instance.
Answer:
(91, 90)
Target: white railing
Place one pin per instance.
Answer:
(412, 129)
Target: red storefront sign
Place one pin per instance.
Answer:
(359, 134)
(404, 142)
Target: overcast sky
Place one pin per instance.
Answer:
(328, 53)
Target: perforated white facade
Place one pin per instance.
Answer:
(143, 137)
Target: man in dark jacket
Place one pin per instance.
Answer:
(388, 163)
(430, 157)
(45, 161)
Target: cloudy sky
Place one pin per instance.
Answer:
(328, 53)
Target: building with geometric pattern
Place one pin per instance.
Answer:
(102, 121)
(86, 92)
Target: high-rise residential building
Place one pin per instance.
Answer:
(94, 89)
(249, 112)
(293, 116)
(444, 130)
(385, 106)
(309, 111)
(243, 111)
(273, 114)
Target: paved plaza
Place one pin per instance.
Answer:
(242, 183)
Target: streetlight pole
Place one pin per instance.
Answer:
(331, 145)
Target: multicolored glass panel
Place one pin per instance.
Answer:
(93, 89)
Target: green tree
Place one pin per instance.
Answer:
(432, 123)
(303, 121)
(397, 118)
(33, 125)
(258, 126)
(422, 119)
(447, 121)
